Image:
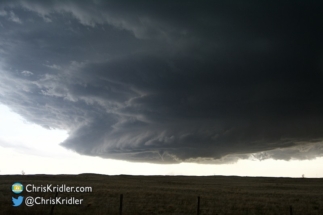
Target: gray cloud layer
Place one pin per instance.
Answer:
(168, 82)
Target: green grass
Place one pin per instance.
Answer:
(147, 195)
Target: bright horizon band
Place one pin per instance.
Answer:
(58, 188)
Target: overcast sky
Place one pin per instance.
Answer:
(165, 83)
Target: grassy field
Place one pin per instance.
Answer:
(149, 195)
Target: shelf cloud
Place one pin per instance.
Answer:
(168, 82)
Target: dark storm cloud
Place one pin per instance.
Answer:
(168, 82)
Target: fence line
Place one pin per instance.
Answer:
(52, 208)
(120, 208)
(198, 206)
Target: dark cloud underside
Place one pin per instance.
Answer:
(168, 81)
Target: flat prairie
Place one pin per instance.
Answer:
(149, 195)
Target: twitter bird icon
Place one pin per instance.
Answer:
(17, 202)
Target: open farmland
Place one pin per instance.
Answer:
(172, 195)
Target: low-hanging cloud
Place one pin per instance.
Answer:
(168, 82)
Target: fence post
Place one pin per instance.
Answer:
(290, 210)
(121, 199)
(52, 209)
(198, 205)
